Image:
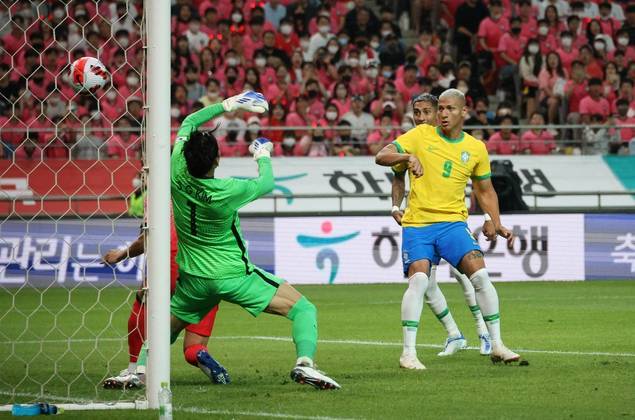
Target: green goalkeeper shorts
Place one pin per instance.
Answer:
(196, 296)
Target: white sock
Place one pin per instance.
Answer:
(487, 299)
(411, 306)
(132, 367)
(304, 361)
(439, 306)
(470, 299)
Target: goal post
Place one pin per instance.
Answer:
(158, 209)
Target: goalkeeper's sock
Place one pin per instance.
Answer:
(487, 299)
(304, 330)
(191, 352)
(136, 330)
(132, 367)
(470, 299)
(411, 306)
(438, 304)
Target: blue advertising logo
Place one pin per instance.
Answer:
(326, 254)
(609, 246)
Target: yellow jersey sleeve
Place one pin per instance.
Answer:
(407, 142)
(482, 168)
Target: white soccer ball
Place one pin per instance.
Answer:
(88, 74)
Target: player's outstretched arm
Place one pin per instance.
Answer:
(390, 156)
(398, 192)
(247, 101)
(135, 249)
(488, 200)
(245, 191)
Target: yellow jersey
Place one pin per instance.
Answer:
(448, 164)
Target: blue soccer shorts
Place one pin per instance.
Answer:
(448, 240)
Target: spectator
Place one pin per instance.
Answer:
(548, 42)
(597, 138)
(277, 118)
(341, 97)
(593, 103)
(626, 134)
(622, 45)
(511, 47)
(195, 90)
(227, 122)
(315, 144)
(528, 21)
(566, 51)
(89, 144)
(28, 150)
(561, 6)
(361, 122)
(408, 86)
(579, 36)
(574, 90)
(530, 67)
(331, 117)
(391, 52)
(384, 134)
(609, 24)
(611, 81)
(625, 92)
(301, 116)
(592, 67)
(427, 53)
(492, 29)
(537, 141)
(196, 39)
(587, 9)
(274, 12)
(505, 141)
(320, 38)
(469, 16)
(551, 81)
(232, 144)
(286, 39)
(343, 142)
(629, 25)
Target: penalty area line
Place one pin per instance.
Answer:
(431, 346)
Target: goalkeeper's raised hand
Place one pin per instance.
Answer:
(249, 101)
(261, 147)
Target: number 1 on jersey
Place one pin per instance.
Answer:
(447, 168)
(192, 217)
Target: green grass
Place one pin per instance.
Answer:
(576, 318)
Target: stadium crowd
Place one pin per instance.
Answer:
(355, 65)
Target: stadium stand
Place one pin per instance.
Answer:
(324, 64)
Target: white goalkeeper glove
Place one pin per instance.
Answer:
(261, 147)
(249, 101)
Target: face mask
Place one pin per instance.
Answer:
(384, 34)
(175, 113)
(237, 18)
(231, 79)
(58, 13)
(324, 29)
(304, 43)
(374, 45)
(598, 46)
(286, 29)
(331, 115)
(333, 49)
(353, 62)
(516, 31)
(132, 80)
(343, 41)
(566, 42)
(372, 73)
(496, 16)
(463, 89)
(260, 61)
(288, 142)
(194, 28)
(212, 94)
(533, 49)
(111, 95)
(622, 41)
(124, 42)
(543, 30)
(231, 61)
(387, 74)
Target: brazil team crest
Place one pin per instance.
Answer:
(465, 156)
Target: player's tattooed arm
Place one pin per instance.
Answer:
(398, 192)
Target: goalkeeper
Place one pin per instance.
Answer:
(213, 261)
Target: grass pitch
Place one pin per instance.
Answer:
(579, 339)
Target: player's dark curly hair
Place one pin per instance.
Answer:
(200, 152)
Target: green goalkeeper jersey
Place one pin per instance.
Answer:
(206, 210)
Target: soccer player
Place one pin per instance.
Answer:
(213, 260)
(196, 336)
(425, 112)
(441, 161)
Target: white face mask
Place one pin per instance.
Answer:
(333, 49)
(212, 94)
(237, 18)
(132, 80)
(231, 61)
(372, 73)
(353, 62)
(543, 30)
(343, 41)
(194, 28)
(124, 42)
(623, 41)
(331, 115)
(598, 46)
(175, 113)
(304, 43)
(566, 42)
(260, 61)
(58, 13)
(286, 29)
(111, 95)
(385, 33)
(374, 45)
(463, 89)
(324, 29)
(533, 49)
(288, 142)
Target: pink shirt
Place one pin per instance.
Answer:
(589, 106)
(235, 149)
(547, 81)
(492, 31)
(342, 106)
(430, 56)
(20, 153)
(500, 146)
(567, 58)
(407, 92)
(529, 29)
(626, 134)
(629, 54)
(610, 26)
(512, 47)
(576, 95)
(538, 144)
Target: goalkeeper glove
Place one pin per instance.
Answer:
(261, 147)
(249, 101)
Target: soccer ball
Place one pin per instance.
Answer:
(88, 74)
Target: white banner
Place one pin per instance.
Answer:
(324, 250)
(360, 175)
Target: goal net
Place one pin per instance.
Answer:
(72, 187)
